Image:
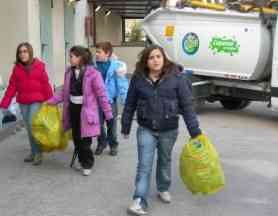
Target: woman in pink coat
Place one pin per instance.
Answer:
(83, 88)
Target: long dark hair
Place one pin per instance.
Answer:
(142, 64)
(30, 52)
(84, 53)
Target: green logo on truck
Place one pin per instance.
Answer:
(190, 43)
(224, 45)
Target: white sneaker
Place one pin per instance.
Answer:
(136, 208)
(86, 172)
(165, 196)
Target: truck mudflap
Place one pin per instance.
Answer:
(274, 92)
(201, 88)
(274, 98)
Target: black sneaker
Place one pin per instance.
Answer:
(99, 150)
(29, 158)
(113, 151)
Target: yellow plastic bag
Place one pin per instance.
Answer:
(200, 168)
(47, 129)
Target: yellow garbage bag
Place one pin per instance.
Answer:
(200, 168)
(47, 129)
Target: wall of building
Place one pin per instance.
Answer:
(129, 55)
(81, 11)
(20, 21)
(34, 26)
(14, 30)
(58, 42)
(109, 28)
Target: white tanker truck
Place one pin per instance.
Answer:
(231, 57)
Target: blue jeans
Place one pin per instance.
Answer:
(147, 142)
(110, 136)
(27, 112)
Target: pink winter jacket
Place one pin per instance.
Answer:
(93, 91)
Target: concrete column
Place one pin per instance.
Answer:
(14, 30)
(58, 42)
(33, 23)
(81, 11)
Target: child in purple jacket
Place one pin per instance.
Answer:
(83, 89)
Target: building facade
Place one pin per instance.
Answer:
(51, 26)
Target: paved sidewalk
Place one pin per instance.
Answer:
(247, 141)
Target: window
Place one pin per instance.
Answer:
(132, 31)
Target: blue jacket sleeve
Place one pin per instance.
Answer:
(122, 82)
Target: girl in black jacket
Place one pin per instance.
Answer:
(159, 92)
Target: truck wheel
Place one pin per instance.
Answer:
(234, 103)
(198, 104)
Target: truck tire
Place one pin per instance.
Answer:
(234, 103)
(198, 104)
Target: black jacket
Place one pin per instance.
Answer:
(158, 107)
